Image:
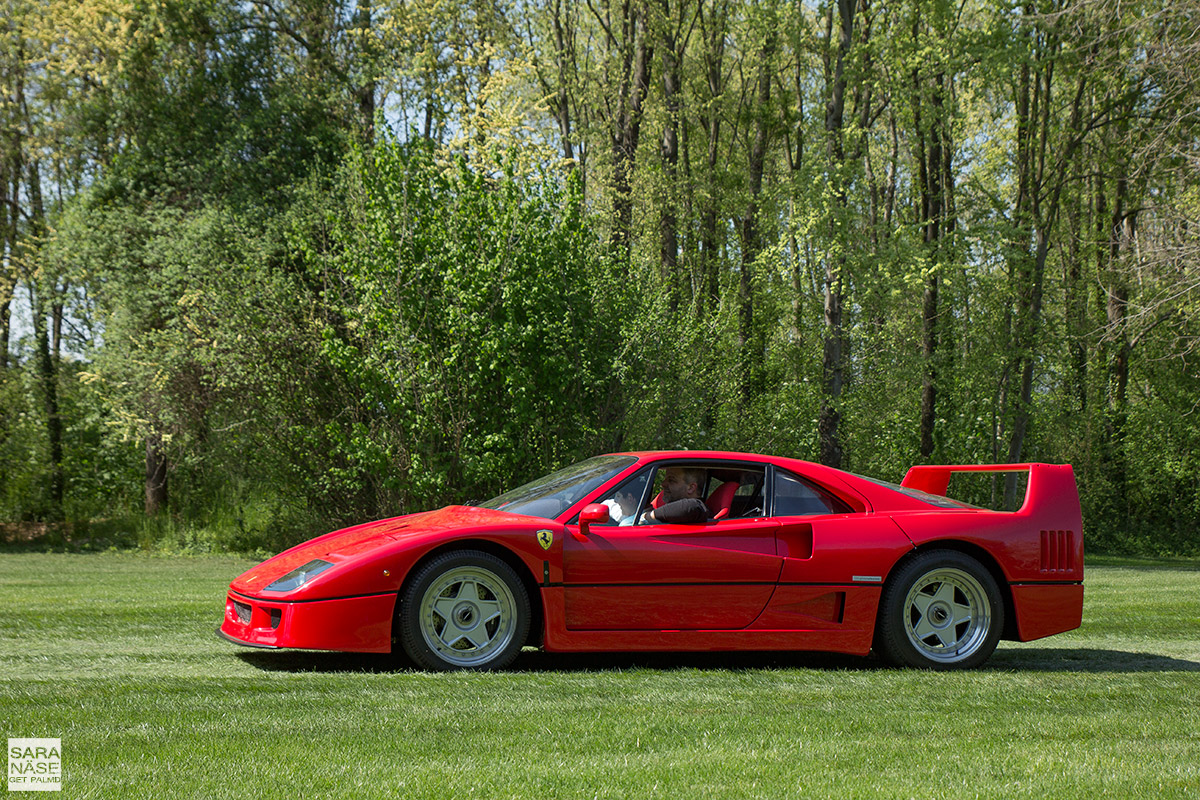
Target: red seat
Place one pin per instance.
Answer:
(721, 499)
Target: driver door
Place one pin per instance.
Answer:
(660, 576)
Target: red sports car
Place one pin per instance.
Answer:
(674, 551)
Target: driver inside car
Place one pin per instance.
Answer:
(680, 502)
(681, 497)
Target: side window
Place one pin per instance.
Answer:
(730, 490)
(735, 492)
(796, 497)
(624, 503)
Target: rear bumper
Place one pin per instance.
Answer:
(1047, 609)
(348, 624)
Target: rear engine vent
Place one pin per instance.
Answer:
(243, 612)
(1058, 551)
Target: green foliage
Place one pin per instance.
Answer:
(314, 320)
(449, 334)
(470, 326)
(23, 470)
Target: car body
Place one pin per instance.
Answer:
(794, 556)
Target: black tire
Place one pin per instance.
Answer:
(940, 610)
(464, 610)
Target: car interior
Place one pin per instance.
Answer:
(730, 492)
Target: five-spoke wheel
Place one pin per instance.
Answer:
(464, 610)
(941, 610)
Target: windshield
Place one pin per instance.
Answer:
(552, 494)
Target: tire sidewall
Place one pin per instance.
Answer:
(891, 637)
(408, 621)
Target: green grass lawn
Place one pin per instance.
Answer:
(115, 654)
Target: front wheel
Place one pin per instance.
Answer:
(941, 610)
(464, 610)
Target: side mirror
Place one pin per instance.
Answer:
(592, 514)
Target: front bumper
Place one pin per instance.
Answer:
(360, 624)
(221, 632)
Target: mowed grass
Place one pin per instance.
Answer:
(116, 655)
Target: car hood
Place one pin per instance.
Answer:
(350, 544)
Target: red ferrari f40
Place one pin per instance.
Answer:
(685, 551)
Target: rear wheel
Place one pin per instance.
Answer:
(464, 610)
(941, 610)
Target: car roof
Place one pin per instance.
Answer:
(870, 495)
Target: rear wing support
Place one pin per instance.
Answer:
(935, 479)
(1051, 494)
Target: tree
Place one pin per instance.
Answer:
(835, 357)
(932, 85)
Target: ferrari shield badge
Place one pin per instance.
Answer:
(545, 539)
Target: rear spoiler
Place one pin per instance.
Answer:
(1051, 493)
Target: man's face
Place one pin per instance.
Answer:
(675, 486)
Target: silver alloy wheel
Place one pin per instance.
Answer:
(947, 616)
(467, 616)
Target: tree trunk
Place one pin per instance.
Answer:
(713, 29)
(563, 38)
(669, 152)
(1075, 303)
(365, 91)
(933, 167)
(8, 279)
(10, 215)
(750, 342)
(156, 476)
(47, 376)
(5, 323)
(47, 366)
(56, 321)
(635, 83)
(800, 265)
(833, 365)
(1120, 230)
(1115, 233)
